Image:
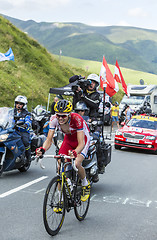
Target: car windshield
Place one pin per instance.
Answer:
(132, 100)
(7, 117)
(142, 123)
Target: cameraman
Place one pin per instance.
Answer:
(89, 95)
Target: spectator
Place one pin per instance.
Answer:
(56, 99)
(128, 113)
(46, 128)
(115, 114)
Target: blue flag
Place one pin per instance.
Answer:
(7, 56)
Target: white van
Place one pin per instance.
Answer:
(153, 101)
(139, 94)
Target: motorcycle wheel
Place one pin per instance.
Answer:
(24, 168)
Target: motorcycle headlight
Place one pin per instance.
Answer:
(151, 137)
(119, 133)
(93, 170)
(3, 137)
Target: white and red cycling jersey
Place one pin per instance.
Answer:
(76, 124)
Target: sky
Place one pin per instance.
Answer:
(136, 13)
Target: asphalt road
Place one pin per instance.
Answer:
(123, 203)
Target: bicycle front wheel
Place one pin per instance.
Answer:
(81, 208)
(53, 207)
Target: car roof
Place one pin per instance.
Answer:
(145, 117)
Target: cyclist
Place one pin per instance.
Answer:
(76, 140)
(24, 121)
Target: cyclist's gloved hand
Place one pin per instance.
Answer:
(73, 153)
(40, 151)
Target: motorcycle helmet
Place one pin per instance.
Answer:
(94, 77)
(63, 106)
(21, 99)
(80, 106)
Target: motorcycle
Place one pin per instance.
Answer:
(12, 149)
(39, 117)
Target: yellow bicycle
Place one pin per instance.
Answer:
(61, 197)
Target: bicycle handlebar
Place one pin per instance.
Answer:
(65, 157)
(37, 159)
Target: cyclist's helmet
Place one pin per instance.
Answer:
(21, 99)
(116, 103)
(94, 77)
(63, 106)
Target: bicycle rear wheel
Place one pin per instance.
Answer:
(53, 207)
(81, 207)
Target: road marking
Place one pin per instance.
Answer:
(41, 190)
(124, 201)
(22, 187)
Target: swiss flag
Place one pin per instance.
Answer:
(107, 78)
(119, 78)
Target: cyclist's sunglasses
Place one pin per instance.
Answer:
(19, 103)
(62, 116)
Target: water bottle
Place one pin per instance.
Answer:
(69, 184)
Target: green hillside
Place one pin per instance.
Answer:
(130, 76)
(134, 48)
(34, 70)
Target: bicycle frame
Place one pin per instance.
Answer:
(64, 182)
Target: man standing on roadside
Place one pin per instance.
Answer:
(115, 114)
(56, 99)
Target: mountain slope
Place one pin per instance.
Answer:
(34, 70)
(134, 48)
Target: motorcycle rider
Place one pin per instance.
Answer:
(76, 140)
(23, 120)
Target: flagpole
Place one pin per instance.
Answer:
(104, 86)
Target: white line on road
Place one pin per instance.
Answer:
(41, 190)
(22, 187)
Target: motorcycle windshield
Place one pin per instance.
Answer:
(6, 117)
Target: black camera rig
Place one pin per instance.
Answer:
(80, 82)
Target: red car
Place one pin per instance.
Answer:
(140, 132)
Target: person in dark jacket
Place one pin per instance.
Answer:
(56, 99)
(23, 120)
(91, 97)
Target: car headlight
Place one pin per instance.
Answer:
(118, 133)
(151, 137)
(3, 137)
